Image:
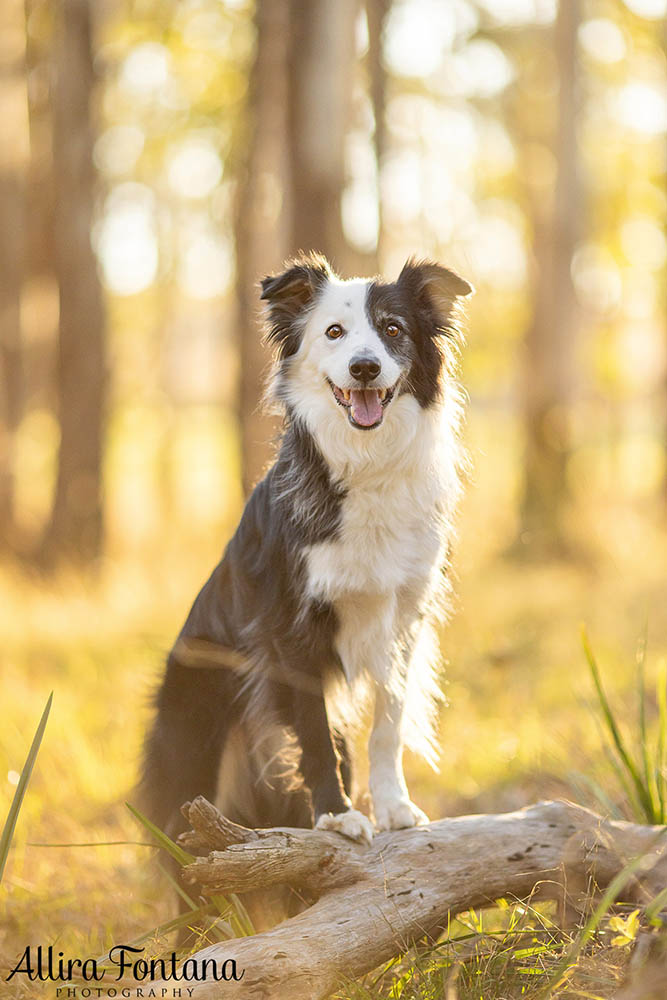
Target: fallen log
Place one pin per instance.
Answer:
(373, 901)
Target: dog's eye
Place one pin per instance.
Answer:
(334, 331)
(393, 330)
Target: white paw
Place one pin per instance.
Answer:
(397, 814)
(352, 824)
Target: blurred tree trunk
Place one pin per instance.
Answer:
(261, 224)
(664, 302)
(292, 177)
(75, 529)
(549, 360)
(13, 162)
(321, 77)
(376, 16)
(40, 209)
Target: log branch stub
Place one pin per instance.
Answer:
(210, 829)
(374, 901)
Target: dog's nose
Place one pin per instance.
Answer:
(365, 368)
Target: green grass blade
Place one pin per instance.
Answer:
(625, 757)
(222, 929)
(163, 840)
(616, 765)
(656, 905)
(178, 889)
(661, 697)
(241, 920)
(583, 782)
(97, 843)
(643, 733)
(17, 801)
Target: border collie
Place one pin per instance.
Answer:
(338, 567)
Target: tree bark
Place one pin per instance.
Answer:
(376, 16)
(290, 185)
(40, 208)
(13, 163)
(75, 529)
(664, 312)
(373, 901)
(261, 225)
(321, 77)
(549, 359)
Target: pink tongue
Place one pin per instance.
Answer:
(366, 406)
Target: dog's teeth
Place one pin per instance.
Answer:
(346, 394)
(383, 393)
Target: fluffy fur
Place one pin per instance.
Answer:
(335, 572)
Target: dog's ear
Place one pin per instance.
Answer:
(288, 295)
(435, 289)
(298, 283)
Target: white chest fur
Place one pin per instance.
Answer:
(380, 571)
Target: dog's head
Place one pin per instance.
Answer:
(350, 350)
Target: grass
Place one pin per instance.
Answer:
(513, 950)
(642, 774)
(525, 722)
(17, 801)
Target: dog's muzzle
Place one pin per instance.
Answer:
(365, 407)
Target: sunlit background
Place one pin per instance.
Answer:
(159, 158)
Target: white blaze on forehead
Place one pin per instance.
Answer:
(344, 303)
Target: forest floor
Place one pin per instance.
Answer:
(522, 724)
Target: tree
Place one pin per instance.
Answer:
(75, 528)
(321, 75)
(13, 159)
(292, 175)
(549, 358)
(376, 17)
(261, 223)
(664, 299)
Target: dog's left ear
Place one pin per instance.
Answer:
(288, 294)
(435, 288)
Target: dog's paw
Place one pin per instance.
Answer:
(397, 814)
(352, 824)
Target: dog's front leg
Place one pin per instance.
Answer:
(392, 806)
(332, 808)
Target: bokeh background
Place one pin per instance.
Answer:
(157, 159)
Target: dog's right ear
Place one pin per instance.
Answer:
(288, 295)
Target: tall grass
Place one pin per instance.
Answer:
(641, 771)
(231, 917)
(19, 794)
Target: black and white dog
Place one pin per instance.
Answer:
(332, 578)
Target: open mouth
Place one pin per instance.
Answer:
(365, 407)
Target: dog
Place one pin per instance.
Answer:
(336, 574)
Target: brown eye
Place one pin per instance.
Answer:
(334, 331)
(393, 330)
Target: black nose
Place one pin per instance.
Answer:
(365, 369)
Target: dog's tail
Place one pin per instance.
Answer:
(184, 745)
(203, 742)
